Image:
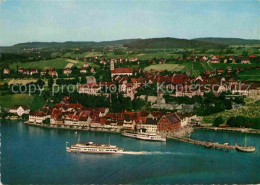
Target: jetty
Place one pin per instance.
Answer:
(206, 144)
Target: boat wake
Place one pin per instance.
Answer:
(151, 153)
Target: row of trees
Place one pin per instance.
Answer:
(239, 121)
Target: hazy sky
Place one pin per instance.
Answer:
(84, 20)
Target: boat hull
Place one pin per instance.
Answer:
(136, 136)
(94, 152)
(248, 150)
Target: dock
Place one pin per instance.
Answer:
(206, 144)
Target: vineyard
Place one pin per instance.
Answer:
(251, 110)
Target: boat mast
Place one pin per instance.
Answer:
(245, 139)
(109, 140)
(79, 139)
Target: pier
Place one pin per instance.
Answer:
(206, 144)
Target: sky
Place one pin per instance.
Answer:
(103, 20)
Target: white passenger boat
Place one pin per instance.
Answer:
(90, 147)
(144, 136)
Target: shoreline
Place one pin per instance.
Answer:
(68, 128)
(231, 129)
(79, 128)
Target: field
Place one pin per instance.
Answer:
(251, 109)
(195, 68)
(59, 63)
(169, 67)
(21, 81)
(252, 75)
(35, 102)
(72, 61)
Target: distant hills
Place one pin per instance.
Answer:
(151, 43)
(68, 44)
(229, 41)
(154, 43)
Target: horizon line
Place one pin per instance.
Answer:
(126, 39)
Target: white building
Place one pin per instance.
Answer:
(20, 109)
(37, 116)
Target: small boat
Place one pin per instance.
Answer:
(144, 136)
(245, 148)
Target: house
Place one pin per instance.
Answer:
(73, 107)
(20, 109)
(92, 70)
(245, 61)
(26, 72)
(148, 123)
(33, 71)
(179, 79)
(133, 59)
(43, 72)
(85, 119)
(220, 71)
(91, 80)
(229, 69)
(67, 71)
(252, 56)
(214, 59)
(53, 73)
(103, 111)
(121, 71)
(20, 70)
(90, 88)
(72, 119)
(169, 123)
(83, 70)
(129, 120)
(56, 117)
(162, 61)
(85, 65)
(37, 116)
(6, 71)
(203, 58)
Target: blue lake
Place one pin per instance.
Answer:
(33, 155)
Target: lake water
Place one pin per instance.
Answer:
(33, 155)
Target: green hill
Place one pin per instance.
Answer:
(155, 43)
(228, 41)
(68, 44)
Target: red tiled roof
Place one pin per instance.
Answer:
(122, 70)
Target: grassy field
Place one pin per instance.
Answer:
(21, 81)
(59, 63)
(195, 68)
(35, 102)
(252, 75)
(169, 67)
(251, 109)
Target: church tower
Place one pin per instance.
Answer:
(112, 65)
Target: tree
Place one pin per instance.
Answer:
(138, 104)
(83, 80)
(46, 121)
(50, 83)
(218, 121)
